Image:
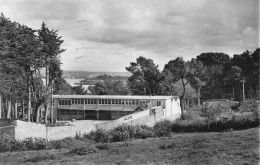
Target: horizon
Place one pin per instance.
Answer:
(108, 35)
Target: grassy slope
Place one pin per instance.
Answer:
(237, 147)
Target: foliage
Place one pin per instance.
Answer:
(78, 90)
(9, 144)
(24, 52)
(109, 87)
(186, 72)
(145, 77)
(162, 128)
(83, 151)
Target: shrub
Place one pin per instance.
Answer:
(100, 135)
(143, 132)
(162, 128)
(41, 158)
(121, 133)
(83, 151)
(189, 125)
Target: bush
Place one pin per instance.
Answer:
(121, 133)
(100, 135)
(143, 132)
(9, 144)
(162, 128)
(83, 151)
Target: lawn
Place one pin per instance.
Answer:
(233, 147)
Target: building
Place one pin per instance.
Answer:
(109, 107)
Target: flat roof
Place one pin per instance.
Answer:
(113, 97)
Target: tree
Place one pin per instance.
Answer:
(145, 77)
(232, 78)
(51, 49)
(78, 90)
(198, 81)
(109, 87)
(215, 65)
(179, 70)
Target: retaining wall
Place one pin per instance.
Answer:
(7, 131)
(21, 130)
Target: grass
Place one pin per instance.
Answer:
(233, 147)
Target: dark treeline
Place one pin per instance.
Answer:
(24, 52)
(208, 76)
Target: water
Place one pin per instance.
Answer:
(73, 82)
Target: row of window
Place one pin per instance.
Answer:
(102, 101)
(71, 112)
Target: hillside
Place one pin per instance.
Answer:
(235, 147)
(87, 74)
(94, 80)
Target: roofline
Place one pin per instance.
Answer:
(114, 97)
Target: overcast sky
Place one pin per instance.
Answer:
(106, 35)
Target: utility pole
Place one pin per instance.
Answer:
(243, 89)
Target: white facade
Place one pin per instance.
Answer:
(110, 107)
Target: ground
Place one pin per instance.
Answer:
(232, 147)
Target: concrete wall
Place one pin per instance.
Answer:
(27, 129)
(6, 122)
(7, 131)
(126, 119)
(54, 133)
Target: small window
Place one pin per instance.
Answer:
(82, 101)
(67, 112)
(86, 101)
(73, 101)
(95, 101)
(62, 112)
(109, 101)
(119, 101)
(74, 112)
(158, 103)
(123, 102)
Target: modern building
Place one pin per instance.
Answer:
(110, 107)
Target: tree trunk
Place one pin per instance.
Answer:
(23, 108)
(46, 114)
(29, 103)
(182, 106)
(15, 110)
(198, 96)
(51, 103)
(8, 109)
(0, 106)
(38, 114)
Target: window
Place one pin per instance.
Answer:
(95, 101)
(123, 102)
(62, 112)
(67, 112)
(109, 101)
(74, 112)
(158, 103)
(64, 102)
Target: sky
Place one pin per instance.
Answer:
(106, 35)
